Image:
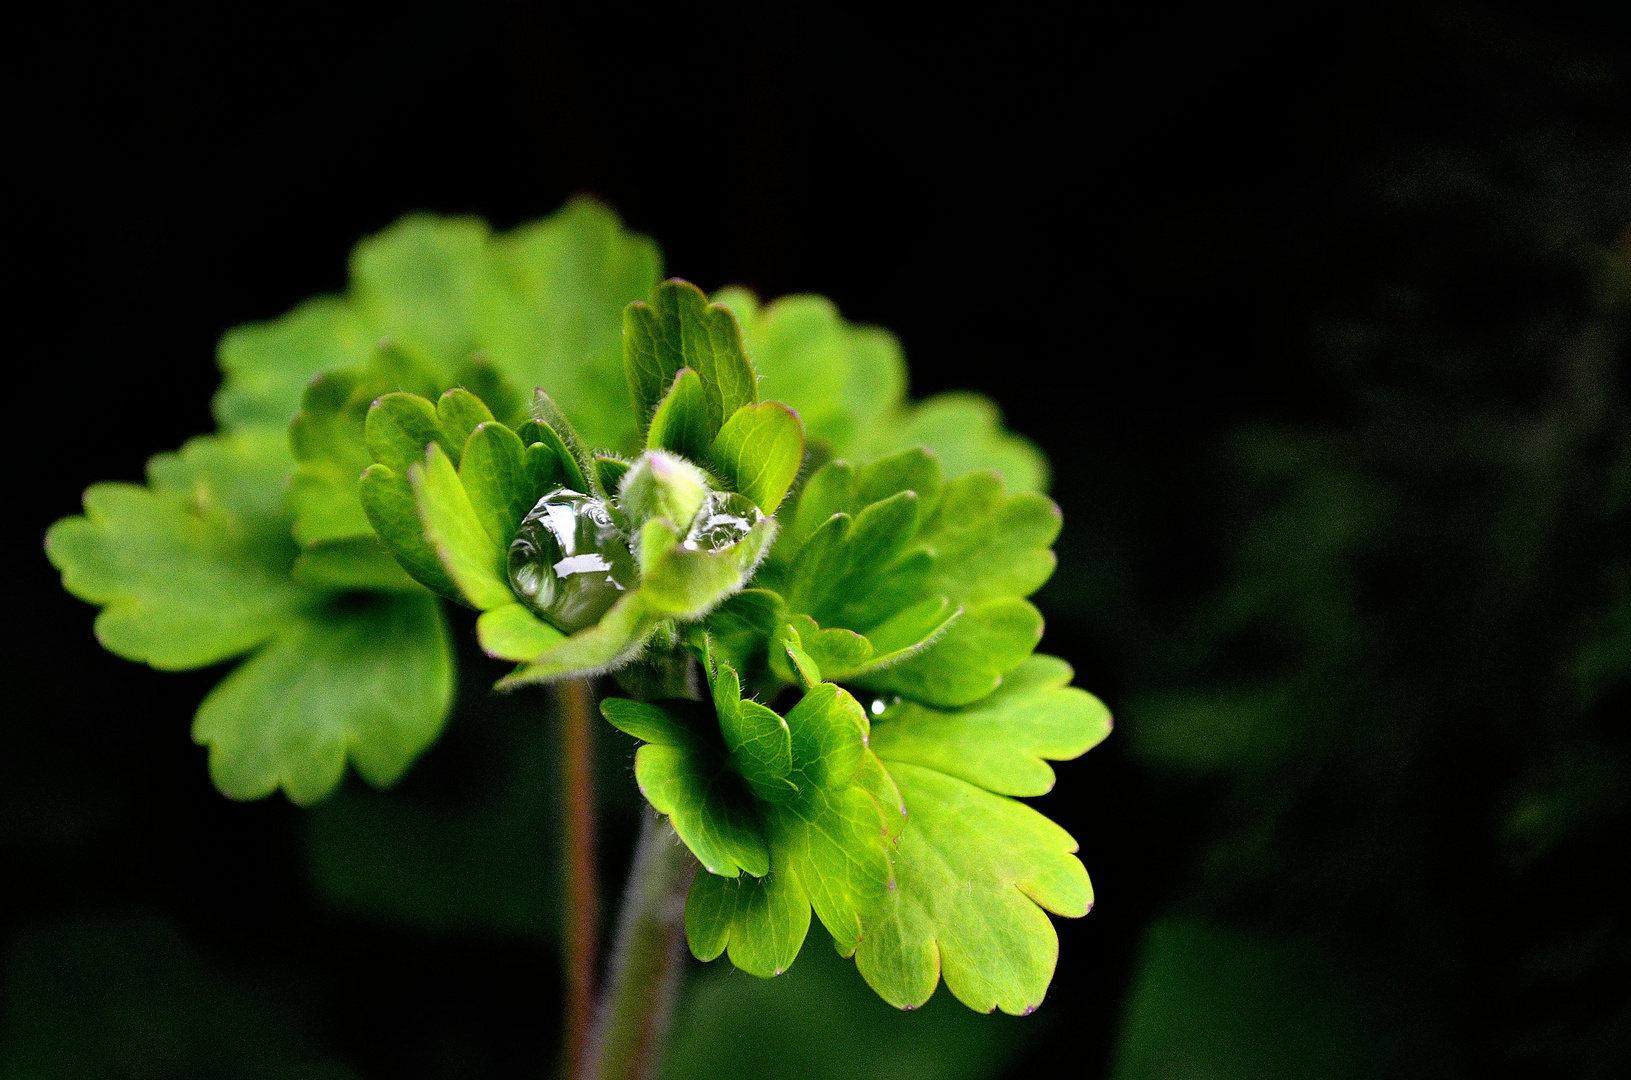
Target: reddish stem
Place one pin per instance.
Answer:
(580, 927)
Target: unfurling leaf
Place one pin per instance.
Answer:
(679, 329)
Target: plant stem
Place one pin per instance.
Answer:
(648, 960)
(580, 929)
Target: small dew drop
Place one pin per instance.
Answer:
(907, 1008)
(724, 519)
(878, 706)
(1029, 1009)
(568, 561)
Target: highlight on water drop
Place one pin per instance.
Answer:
(569, 562)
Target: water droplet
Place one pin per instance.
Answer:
(724, 519)
(568, 562)
(877, 706)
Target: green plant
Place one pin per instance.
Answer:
(814, 604)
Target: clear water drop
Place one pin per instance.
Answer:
(724, 519)
(568, 561)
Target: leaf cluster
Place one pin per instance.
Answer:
(883, 553)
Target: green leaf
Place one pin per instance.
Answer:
(609, 644)
(803, 668)
(324, 500)
(840, 488)
(387, 497)
(710, 809)
(370, 679)
(840, 654)
(680, 423)
(501, 397)
(513, 633)
(762, 921)
(569, 277)
(549, 418)
(424, 280)
(474, 561)
(973, 872)
(756, 737)
(688, 583)
(677, 329)
(494, 474)
(987, 543)
(359, 562)
(1003, 741)
(686, 777)
(268, 365)
(855, 572)
(194, 568)
(827, 832)
(759, 451)
(459, 413)
(832, 835)
(399, 428)
(739, 628)
(974, 869)
(969, 660)
(544, 443)
(965, 430)
(848, 383)
(328, 438)
(670, 723)
(843, 379)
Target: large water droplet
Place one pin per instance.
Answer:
(568, 562)
(724, 519)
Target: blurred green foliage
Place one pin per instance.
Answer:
(1403, 699)
(731, 1024)
(130, 997)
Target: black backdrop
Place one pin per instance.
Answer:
(1115, 224)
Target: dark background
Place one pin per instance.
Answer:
(1146, 232)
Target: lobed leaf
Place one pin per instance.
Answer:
(684, 774)
(493, 470)
(987, 543)
(568, 278)
(678, 329)
(975, 870)
(358, 562)
(974, 873)
(268, 365)
(848, 382)
(1001, 742)
(761, 921)
(370, 679)
(194, 568)
(828, 837)
(969, 660)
